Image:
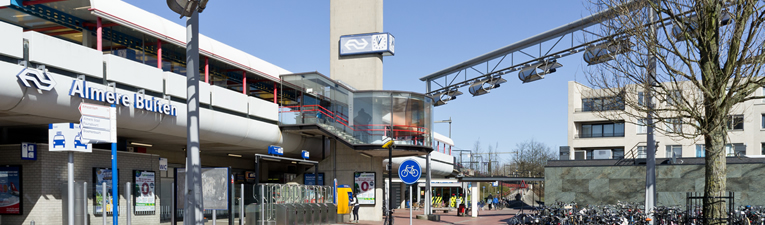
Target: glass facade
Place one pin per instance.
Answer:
(359, 117)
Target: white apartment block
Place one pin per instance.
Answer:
(590, 136)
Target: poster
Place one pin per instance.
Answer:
(144, 191)
(101, 175)
(10, 190)
(364, 187)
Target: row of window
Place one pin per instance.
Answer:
(602, 130)
(603, 104)
(676, 151)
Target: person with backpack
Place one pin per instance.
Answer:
(355, 203)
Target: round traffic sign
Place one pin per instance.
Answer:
(409, 171)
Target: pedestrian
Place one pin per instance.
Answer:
(355, 203)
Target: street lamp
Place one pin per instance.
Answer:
(483, 87)
(446, 96)
(193, 192)
(537, 71)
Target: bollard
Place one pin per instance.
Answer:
(103, 201)
(241, 205)
(85, 204)
(129, 198)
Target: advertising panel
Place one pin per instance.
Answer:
(143, 191)
(10, 190)
(364, 187)
(101, 175)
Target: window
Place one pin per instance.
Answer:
(735, 122)
(762, 149)
(579, 155)
(603, 104)
(674, 97)
(763, 121)
(701, 150)
(674, 125)
(602, 130)
(674, 150)
(641, 126)
(618, 153)
(641, 99)
(734, 149)
(641, 152)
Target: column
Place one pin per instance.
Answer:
(474, 199)
(244, 83)
(159, 53)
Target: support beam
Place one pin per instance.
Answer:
(275, 93)
(159, 53)
(46, 28)
(64, 33)
(244, 85)
(99, 35)
(474, 199)
(88, 24)
(207, 70)
(26, 3)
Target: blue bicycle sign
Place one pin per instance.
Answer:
(409, 171)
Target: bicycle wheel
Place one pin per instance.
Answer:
(403, 173)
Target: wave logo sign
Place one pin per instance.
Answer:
(39, 78)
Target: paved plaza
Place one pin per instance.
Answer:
(485, 217)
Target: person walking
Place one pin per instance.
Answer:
(355, 203)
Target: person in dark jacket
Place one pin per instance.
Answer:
(355, 203)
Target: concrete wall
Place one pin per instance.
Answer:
(348, 162)
(363, 72)
(606, 184)
(42, 179)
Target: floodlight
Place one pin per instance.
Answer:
(483, 87)
(606, 51)
(678, 33)
(186, 7)
(537, 71)
(444, 97)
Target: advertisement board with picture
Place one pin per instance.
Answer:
(10, 190)
(101, 177)
(364, 187)
(143, 191)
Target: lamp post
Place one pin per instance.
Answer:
(389, 215)
(193, 206)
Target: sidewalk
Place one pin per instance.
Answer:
(485, 217)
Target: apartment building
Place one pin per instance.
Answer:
(593, 136)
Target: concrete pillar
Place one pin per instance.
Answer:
(474, 198)
(363, 72)
(88, 40)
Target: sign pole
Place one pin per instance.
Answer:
(115, 176)
(410, 205)
(70, 188)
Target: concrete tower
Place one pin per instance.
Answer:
(346, 17)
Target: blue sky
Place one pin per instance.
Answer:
(430, 35)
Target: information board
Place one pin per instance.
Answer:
(364, 187)
(310, 179)
(10, 190)
(143, 191)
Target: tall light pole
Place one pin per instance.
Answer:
(193, 207)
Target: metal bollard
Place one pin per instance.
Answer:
(85, 203)
(103, 201)
(129, 200)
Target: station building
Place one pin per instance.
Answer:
(57, 54)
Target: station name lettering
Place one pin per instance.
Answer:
(81, 89)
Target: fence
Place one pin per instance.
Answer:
(694, 205)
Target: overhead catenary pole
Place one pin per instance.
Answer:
(70, 188)
(650, 176)
(193, 206)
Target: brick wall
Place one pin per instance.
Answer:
(42, 178)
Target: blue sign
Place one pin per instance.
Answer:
(305, 154)
(409, 171)
(310, 179)
(28, 151)
(66, 137)
(357, 44)
(275, 150)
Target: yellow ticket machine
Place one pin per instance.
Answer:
(344, 195)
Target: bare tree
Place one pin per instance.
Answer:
(707, 58)
(531, 157)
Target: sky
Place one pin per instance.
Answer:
(430, 35)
